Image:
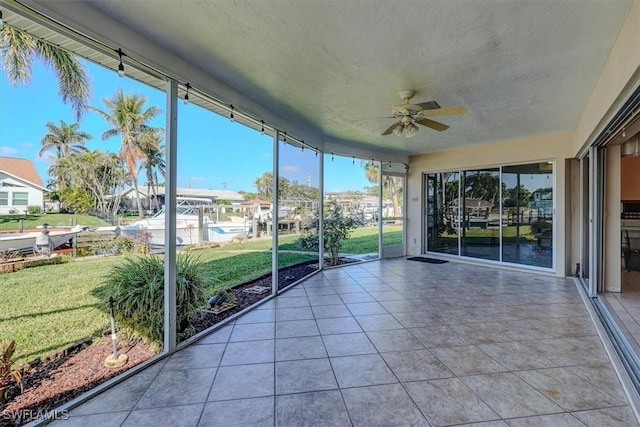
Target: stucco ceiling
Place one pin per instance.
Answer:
(520, 68)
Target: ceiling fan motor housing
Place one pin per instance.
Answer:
(407, 94)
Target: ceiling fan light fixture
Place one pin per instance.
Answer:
(398, 130)
(411, 130)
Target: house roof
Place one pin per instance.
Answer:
(21, 168)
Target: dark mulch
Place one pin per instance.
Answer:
(49, 384)
(286, 277)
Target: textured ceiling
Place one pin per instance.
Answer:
(519, 67)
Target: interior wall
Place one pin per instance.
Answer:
(554, 147)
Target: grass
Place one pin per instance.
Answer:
(49, 307)
(46, 308)
(12, 222)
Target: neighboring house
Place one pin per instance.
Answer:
(211, 196)
(20, 186)
(542, 202)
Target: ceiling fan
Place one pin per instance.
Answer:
(410, 115)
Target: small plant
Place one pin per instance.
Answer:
(141, 242)
(7, 351)
(337, 228)
(124, 244)
(137, 286)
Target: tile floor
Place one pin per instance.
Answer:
(386, 343)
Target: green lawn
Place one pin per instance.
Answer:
(46, 308)
(12, 222)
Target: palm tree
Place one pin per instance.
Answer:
(264, 185)
(154, 162)
(130, 120)
(391, 183)
(19, 49)
(65, 139)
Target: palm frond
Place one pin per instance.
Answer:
(17, 48)
(73, 80)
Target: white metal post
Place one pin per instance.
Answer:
(321, 212)
(171, 135)
(274, 215)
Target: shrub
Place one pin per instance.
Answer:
(7, 351)
(137, 286)
(337, 228)
(34, 210)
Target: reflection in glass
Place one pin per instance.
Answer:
(480, 211)
(527, 209)
(442, 216)
(513, 211)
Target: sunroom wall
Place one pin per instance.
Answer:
(554, 147)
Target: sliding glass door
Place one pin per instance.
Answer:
(527, 214)
(480, 207)
(442, 216)
(502, 214)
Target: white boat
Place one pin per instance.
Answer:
(35, 241)
(225, 231)
(188, 232)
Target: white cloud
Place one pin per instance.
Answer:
(291, 169)
(26, 144)
(8, 151)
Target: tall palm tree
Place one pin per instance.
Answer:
(65, 139)
(130, 120)
(19, 49)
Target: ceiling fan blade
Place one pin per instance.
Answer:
(447, 111)
(429, 105)
(390, 129)
(432, 124)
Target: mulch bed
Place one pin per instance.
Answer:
(286, 276)
(51, 383)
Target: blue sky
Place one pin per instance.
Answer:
(213, 152)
